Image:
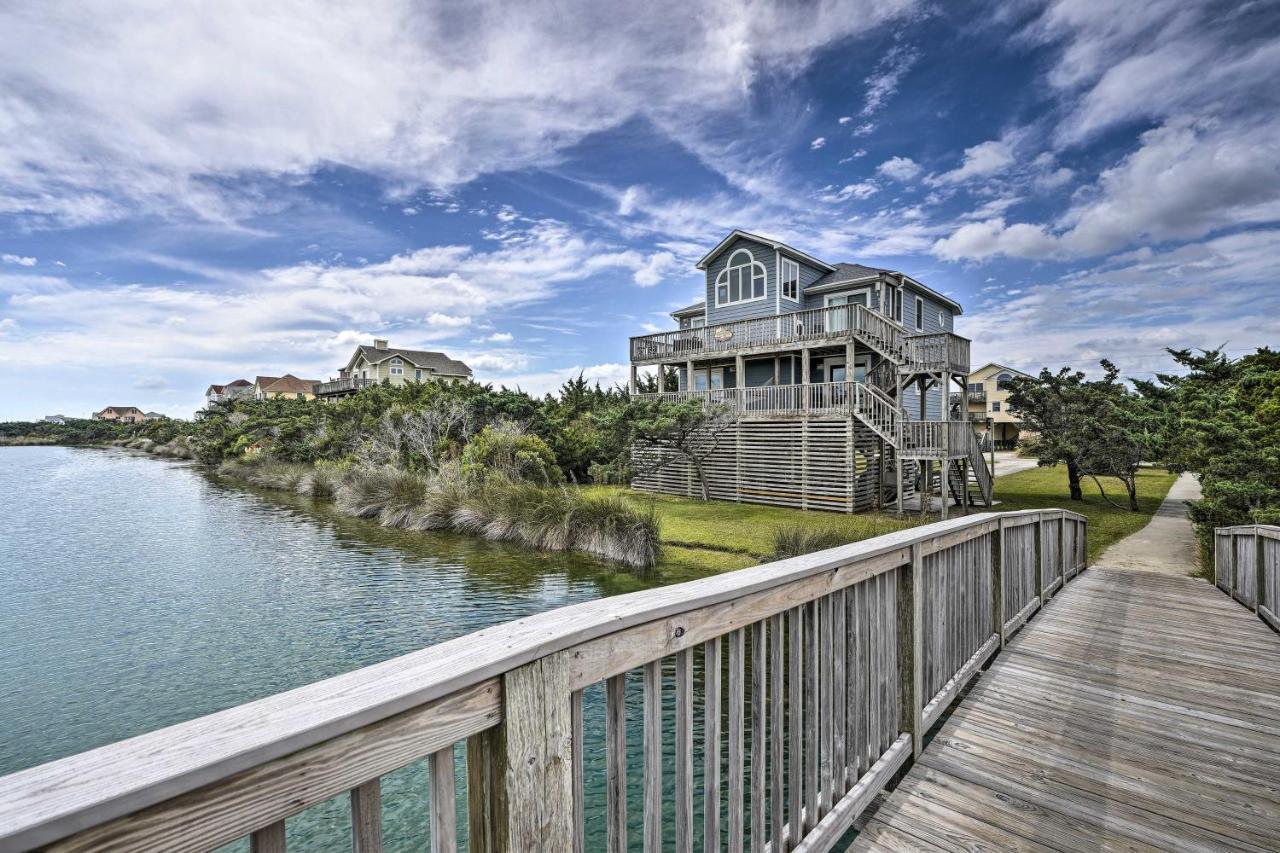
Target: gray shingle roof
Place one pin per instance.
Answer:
(436, 362)
(848, 272)
(700, 305)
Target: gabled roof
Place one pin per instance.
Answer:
(155, 415)
(290, 384)
(696, 308)
(263, 381)
(215, 389)
(853, 273)
(436, 362)
(124, 410)
(239, 383)
(773, 244)
(1000, 367)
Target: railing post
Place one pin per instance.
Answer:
(1039, 524)
(1259, 574)
(910, 650)
(997, 579)
(520, 773)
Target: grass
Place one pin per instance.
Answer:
(1039, 488)
(701, 538)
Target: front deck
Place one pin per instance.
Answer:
(913, 352)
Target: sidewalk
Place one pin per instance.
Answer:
(1167, 544)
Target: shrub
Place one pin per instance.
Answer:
(364, 492)
(506, 451)
(794, 540)
(322, 481)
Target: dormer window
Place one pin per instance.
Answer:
(742, 280)
(790, 280)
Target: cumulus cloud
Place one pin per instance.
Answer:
(423, 95)
(817, 143)
(20, 260)
(980, 161)
(899, 168)
(500, 338)
(860, 190)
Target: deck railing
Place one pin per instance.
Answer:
(818, 677)
(936, 439)
(938, 352)
(814, 325)
(342, 386)
(1246, 563)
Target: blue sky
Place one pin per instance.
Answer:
(191, 193)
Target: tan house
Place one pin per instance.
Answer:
(379, 362)
(987, 403)
(290, 386)
(124, 414)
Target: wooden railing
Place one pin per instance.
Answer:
(938, 352)
(936, 439)
(1246, 566)
(341, 386)
(818, 677)
(814, 325)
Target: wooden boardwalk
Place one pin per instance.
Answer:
(1137, 712)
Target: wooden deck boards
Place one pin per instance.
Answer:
(1137, 712)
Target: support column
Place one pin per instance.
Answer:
(804, 378)
(898, 460)
(688, 375)
(945, 411)
(635, 377)
(740, 370)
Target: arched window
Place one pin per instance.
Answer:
(1002, 381)
(741, 280)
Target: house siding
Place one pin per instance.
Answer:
(766, 307)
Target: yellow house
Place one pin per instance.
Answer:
(988, 404)
(371, 364)
(290, 386)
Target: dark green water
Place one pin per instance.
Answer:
(137, 592)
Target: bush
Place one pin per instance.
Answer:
(794, 541)
(506, 451)
(322, 481)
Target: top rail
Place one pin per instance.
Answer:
(245, 759)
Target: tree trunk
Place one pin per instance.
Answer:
(702, 477)
(1073, 480)
(1131, 483)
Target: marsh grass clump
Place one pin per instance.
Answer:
(406, 491)
(793, 540)
(321, 482)
(364, 493)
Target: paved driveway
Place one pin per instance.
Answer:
(1009, 462)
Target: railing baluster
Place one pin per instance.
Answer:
(653, 756)
(615, 728)
(711, 746)
(736, 829)
(795, 721)
(810, 714)
(684, 751)
(269, 839)
(366, 817)
(444, 806)
(777, 725)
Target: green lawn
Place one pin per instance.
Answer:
(703, 538)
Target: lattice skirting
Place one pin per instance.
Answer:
(808, 464)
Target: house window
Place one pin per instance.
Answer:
(995, 405)
(1002, 381)
(397, 371)
(975, 387)
(302, 396)
(919, 314)
(697, 322)
(417, 374)
(790, 280)
(741, 281)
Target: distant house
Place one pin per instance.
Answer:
(290, 386)
(371, 364)
(987, 404)
(154, 416)
(231, 391)
(124, 414)
(54, 419)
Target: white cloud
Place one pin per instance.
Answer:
(1183, 182)
(409, 211)
(20, 260)
(864, 129)
(883, 83)
(607, 375)
(141, 105)
(500, 338)
(982, 160)
(846, 119)
(860, 190)
(817, 143)
(899, 168)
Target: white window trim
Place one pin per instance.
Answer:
(918, 318)
(397, 371)
(396, 360)
(724, 274)
(783, 263)
(826, 298)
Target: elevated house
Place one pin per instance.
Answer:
(986, 404)
(837, 376)
(379, 362)
(231, 391)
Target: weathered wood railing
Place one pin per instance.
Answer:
(817, 677)
(935, 439)
(1246, 561)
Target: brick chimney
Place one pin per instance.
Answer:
(379, 343)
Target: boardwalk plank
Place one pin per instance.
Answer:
(1135, 712)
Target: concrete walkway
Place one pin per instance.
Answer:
(1167, 544)
(1009, 462)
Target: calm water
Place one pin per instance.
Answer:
(137, 592)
